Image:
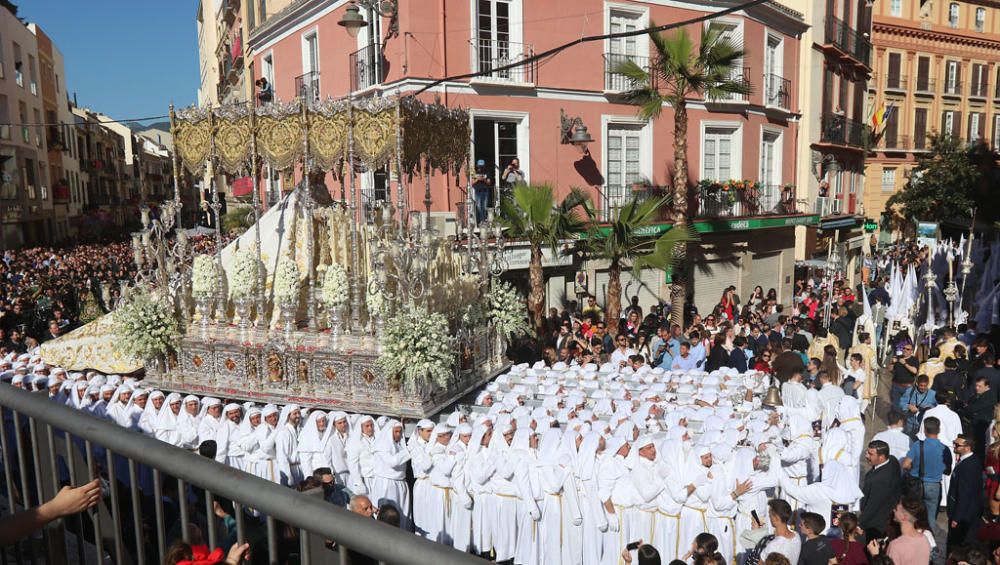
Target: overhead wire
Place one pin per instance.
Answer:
(590, 38)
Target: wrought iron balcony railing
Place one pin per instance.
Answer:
(492, 54)
(367, 67)
(839, 130)
(952, 88)
(307, 86)
(738, 74)
(847, 39)
(777, 91)
(924, 85)
(615, 81)
(895, 82)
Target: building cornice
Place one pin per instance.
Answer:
(950, 37)
(289, 18)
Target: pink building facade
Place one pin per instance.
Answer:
(302, 50)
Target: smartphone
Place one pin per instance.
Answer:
(756, 518)
(633, 546)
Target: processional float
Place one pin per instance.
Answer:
(264, 318)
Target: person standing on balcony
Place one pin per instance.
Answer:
(512, 175)
(481, 191)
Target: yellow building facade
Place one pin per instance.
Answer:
(937, 63)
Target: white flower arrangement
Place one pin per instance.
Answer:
(471, 315)
(144, 324)
(377, 304)
(204, 279)
(416, 346)
(335, 286)
(506, 310)
(244, 279)
(286, 280)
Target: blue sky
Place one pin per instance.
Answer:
(126, 58)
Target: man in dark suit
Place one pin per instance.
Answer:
(882, 487)
(978, 413)
(965, 494)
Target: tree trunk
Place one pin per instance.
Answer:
(678, 288)
(536, 297)
(613, 309)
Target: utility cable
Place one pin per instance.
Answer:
(591, 38)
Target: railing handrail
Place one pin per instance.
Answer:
(307, 513)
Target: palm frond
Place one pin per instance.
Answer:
(663, 255)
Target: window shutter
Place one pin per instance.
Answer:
(968, 129)
(944, 123)
(919, 128)
(891, 129)
(984, 76)
(982, 125)
(956, 129)
(923, 72)
(893, 75)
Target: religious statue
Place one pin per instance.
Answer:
(275, 368)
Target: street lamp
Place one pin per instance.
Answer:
(574, 132)
(353, 21)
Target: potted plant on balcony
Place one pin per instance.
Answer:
(642, 187)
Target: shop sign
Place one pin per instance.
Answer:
(520, 257)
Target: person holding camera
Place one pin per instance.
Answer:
(904, 372)
(645, 554)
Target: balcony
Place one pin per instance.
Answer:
(493, 54)
(828, 206)
(894, 143)
(307, 86)
(848, 41)
(740, 199)
(367, 68)
(740, 74)
(614, 81)
(777, 91)
(895, 83)
(229, 10)
(839, 130)
(925, 86)
(952, 88)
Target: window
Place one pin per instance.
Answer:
(776, 89)
(733, 33)
(948, 122)
(497, 141)
(310, 53)
(953, 15)
(32, 75)
(980, 19)
(621, 49)
(952, 72)
(251, 17)
(262, 11)
(919, 128)
(996, 132)
(896, 8)
(268, 70)
(29, 177)
(893, 79)
(923, 74)
(624, 162)
(770, 168)
(495, 45)
(719, 153)
(18, 66)
(977, 123)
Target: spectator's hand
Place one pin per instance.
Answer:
(743, 488)
(218, 510)
(873, 547)
(236, 553)
(69, 500)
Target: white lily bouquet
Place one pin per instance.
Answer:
(506, 310)
(204, 279)
(416, 346)
(244, 280)
(335, 286)
(377, 304)
(286, 280)
(144, 324)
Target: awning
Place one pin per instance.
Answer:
(242, 186)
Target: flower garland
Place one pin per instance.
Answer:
(144, 324)
(286, 280)
(506, 310)
(416, 346)
(244, 278)
(335, 286)
(204, 282)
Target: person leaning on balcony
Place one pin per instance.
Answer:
(67, 501)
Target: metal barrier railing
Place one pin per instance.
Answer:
(46, 445)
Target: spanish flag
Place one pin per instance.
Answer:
(880, 116)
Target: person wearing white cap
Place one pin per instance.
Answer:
(612, 483)
(460, 524)
(188, 422)
(116, 405)
(837, 492)
(210, 418)
(167, 421)
(646, 478)
(312, 442)
(360, 455)
(421, 463)
(530, 532)
(561, 504)
(264, 458)
(797, 458)
(479, 469)
(248, 435)
(438, 500)
(129, 417)
(151, 413)
(746, 468)
(390, 459)
(336, 447)
(286, 446)
(698, 477)
(595, 520)
(505, 492)
(229, 449)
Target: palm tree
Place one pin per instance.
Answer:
(532, 213)
(622, 246)
(679, 71)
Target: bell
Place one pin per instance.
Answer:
(773, 397)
